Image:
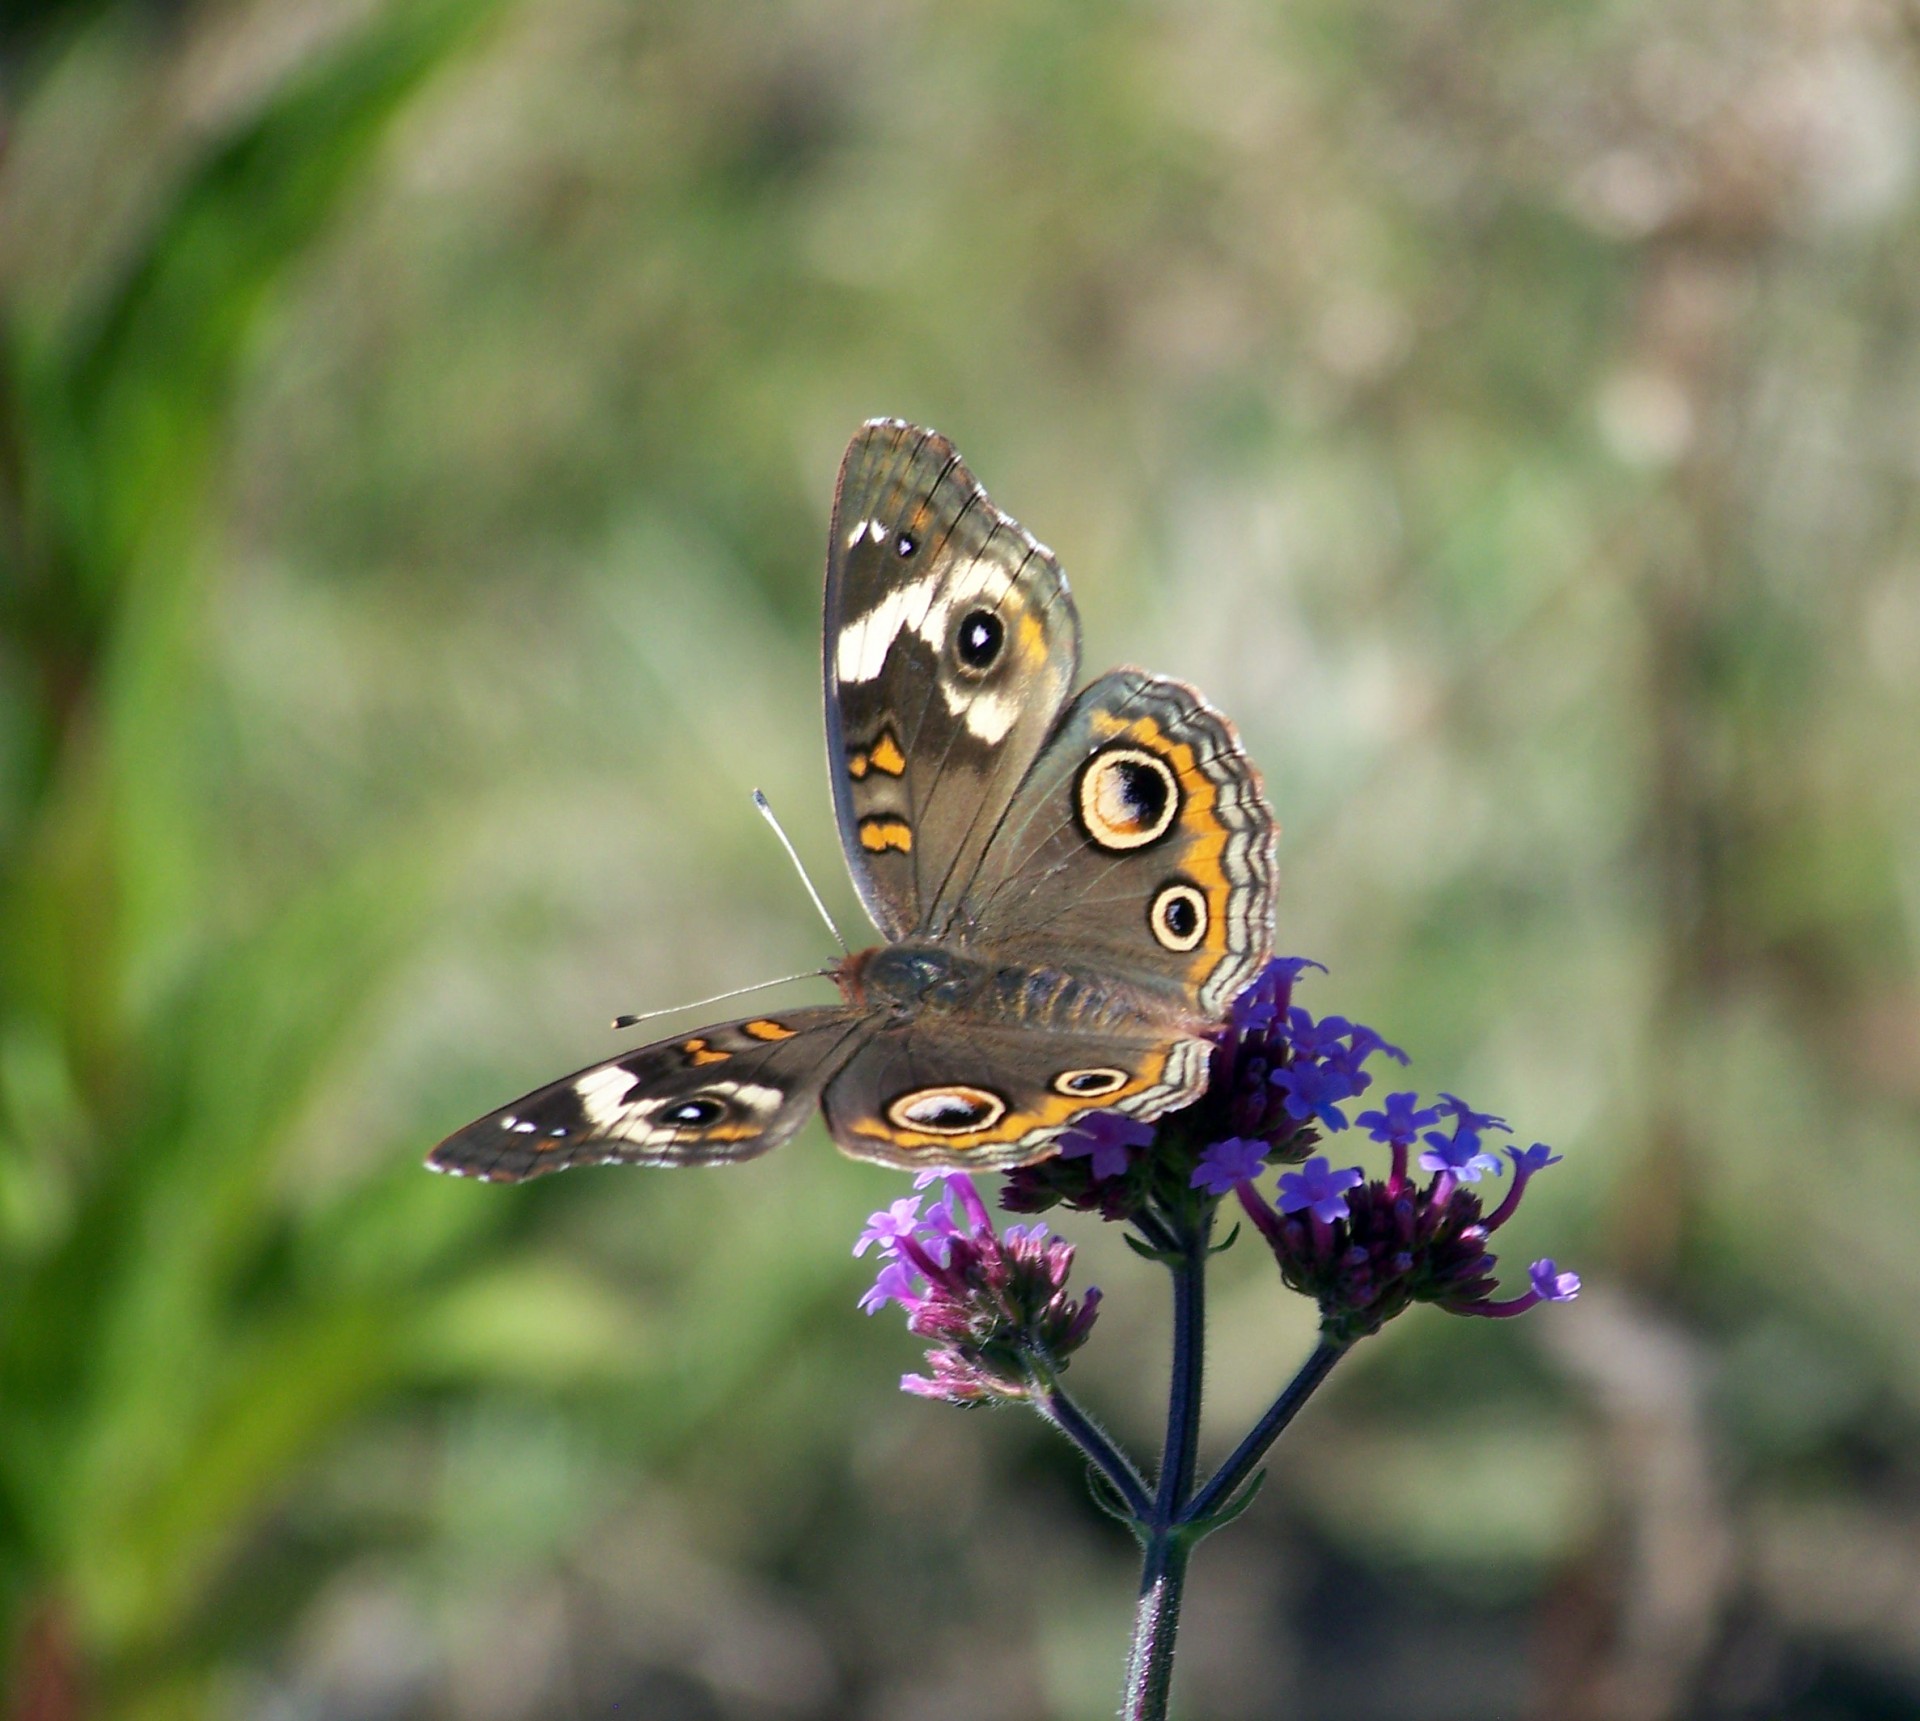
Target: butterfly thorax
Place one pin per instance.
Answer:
(911, 982)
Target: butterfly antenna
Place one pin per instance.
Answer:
(718, 997)
(766, 812)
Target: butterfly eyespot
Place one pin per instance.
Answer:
(1126, 798)
(518, 1125)
(947, 1111)
(978, 641)
(905, 545)
(694, 1113)
(1089, 1084)
(1178, 917)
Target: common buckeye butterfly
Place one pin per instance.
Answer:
(1072, 888)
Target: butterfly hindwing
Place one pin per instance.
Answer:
(724, 1093)
(1140, 844)
(952, 644)
(943, 1095)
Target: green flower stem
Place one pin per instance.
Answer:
(1168, 1538)
(1228, 1478)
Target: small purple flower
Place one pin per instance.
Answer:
(889, 1225)
(896, 1284)
(1106, 1139)
(1326, 1038)
(1525, 1167)
(1461, 1156)
(1402, 1120)
(1536, 1158)
(1317, 1188)
(1551, 1285)
(1314, 1091)
(1225, 1163)
(1466, 1118)
(1364, 1042)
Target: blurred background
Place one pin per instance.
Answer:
(418, 421)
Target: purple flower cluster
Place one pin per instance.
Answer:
(996, 1308)
(1366, 1251)
(1280, 1082)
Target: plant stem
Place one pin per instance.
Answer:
(1169, 1543)
(1156, 1621)
(1051, 1400)
(1189, 1360)
(1228, 1478)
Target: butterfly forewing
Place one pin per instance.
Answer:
(951, 646)
(724, 1093)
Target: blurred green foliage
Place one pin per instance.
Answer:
(417, 420)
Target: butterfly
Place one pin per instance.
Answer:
(1072, 887)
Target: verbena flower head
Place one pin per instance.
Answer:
(1279, 1085)
(1367, 1251)
(993, 1306)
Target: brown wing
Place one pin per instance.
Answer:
(951, 646)
(725, 1093)
(970, 1097)
(1140, 843)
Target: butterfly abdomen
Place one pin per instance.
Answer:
(914, 981)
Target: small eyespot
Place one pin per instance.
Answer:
(905, 545)
(947, 1111)
(520, 1126)
(694, 1113)
(979, 639)
(1127, 798)
(1178, 918)
(1089, 1084)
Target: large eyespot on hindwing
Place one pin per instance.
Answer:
(1090, 1084)
(1177, 916)
(954, 1109)
(1126, 798)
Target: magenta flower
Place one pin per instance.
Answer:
(996, 1308)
